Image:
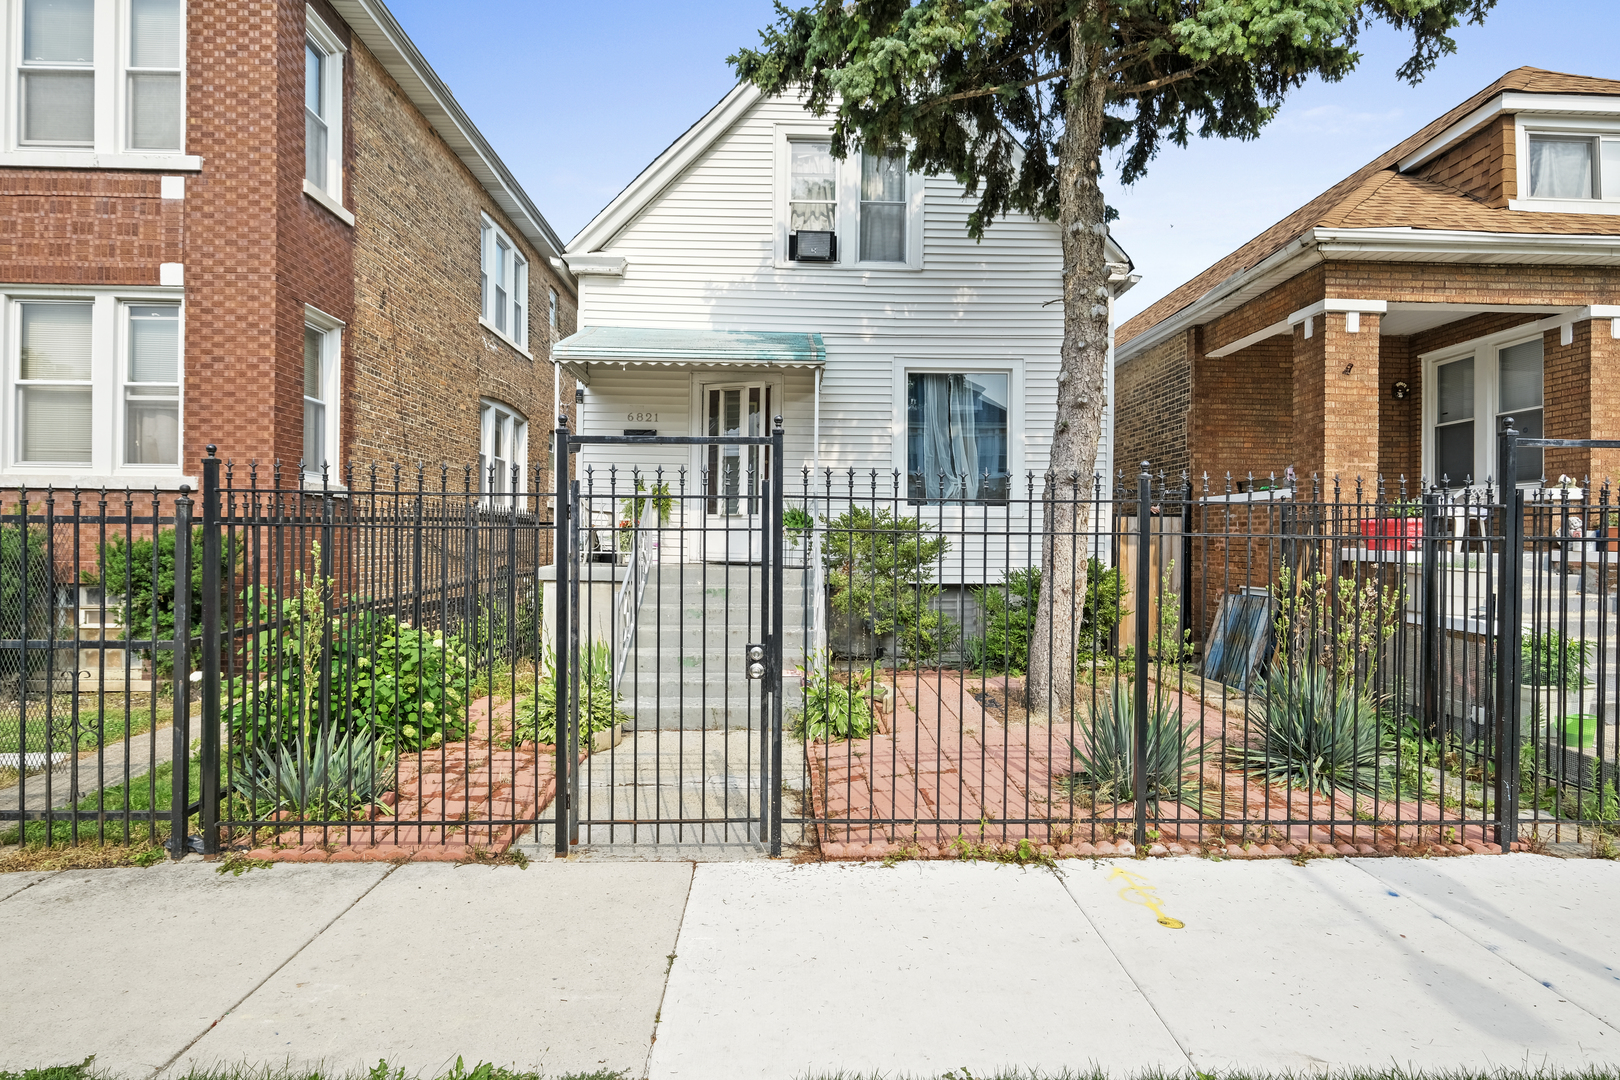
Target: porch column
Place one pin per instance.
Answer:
(1581, 388)
(1336, 391)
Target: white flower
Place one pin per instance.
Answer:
(196, 676)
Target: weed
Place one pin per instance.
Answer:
(237, 863)
(85, 856)
(1024, 853)
(481, 856)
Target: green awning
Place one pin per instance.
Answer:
(642, 345)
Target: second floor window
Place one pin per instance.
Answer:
(1574, 167)
(504, 278)
(126, 95)
(58, 78)
(323, 108)
(883, 208)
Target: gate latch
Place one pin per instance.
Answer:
(756, 661)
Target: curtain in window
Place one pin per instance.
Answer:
(950, 438)
(1561, 168)
(883, 208)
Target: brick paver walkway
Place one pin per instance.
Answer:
(444, 804)
(947, 771)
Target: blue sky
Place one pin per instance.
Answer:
(578, 98)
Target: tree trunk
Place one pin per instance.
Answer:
(1082, 385)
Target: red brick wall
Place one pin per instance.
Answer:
(1151, 406)
(231, 228)
(1243, 419)
(61, 227)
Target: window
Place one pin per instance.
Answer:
(956, 439)
(96, 76)
(323, 350)
(154, 74)
(58, 78)
(323, 110)
(504, 285)
(551, 299)
(152, 386)
(92, 384)
(864, 212)
(883, 208)
(503, 450)
(55, 387)
(1473, 394)
(1573, 166)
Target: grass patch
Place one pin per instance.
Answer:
(83, 856)
(138, 793)
(112, 725)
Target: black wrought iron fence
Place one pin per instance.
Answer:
(370, 664)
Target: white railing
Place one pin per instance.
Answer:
(638, 568)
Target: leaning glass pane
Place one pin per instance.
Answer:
(59, 107)
(151, 431)
(154, 112)
(59, 31)
(55, 424)
(1561, 168)
(1519, 375)
(56, 341)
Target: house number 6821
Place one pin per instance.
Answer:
(642, 417)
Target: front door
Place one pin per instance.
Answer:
(734, 476)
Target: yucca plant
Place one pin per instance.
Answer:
(1105, 768)
(327, 780)
(1313, 734)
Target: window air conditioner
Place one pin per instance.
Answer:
(812, 246)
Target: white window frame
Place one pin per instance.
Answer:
(518, 309)
(491, 412)
(331, 330)
(110, 149)
(1486, 352)
(109, 364)
(326, 42)
(1012, 367)
(848, 225)
(1605, 135)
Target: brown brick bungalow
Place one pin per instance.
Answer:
(1384, 329)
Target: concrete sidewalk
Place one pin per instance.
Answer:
(771, 970)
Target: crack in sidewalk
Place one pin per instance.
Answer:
(669, 969)
(256, 987)
(1095, 929)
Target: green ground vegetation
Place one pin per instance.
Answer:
(139, 793)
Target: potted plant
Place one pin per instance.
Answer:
(1396, 526)
(796, 526)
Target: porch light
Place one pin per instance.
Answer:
(814, 245)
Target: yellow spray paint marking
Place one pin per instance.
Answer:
(1138, 891)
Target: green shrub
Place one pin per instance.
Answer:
(535, 717)
(1555, 659)
(127, 578)
(1105, 769)
(1008, 614)
(405, 687)
(1313, 733)
(833, 710)
(326, 778)
(881, 568)
(796, 525)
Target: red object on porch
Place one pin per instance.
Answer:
(1392, 534)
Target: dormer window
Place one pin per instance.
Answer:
(1571, 167)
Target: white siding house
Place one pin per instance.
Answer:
(689, 290)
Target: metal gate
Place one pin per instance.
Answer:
(669, 630)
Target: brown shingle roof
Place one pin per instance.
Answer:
(1377, 196)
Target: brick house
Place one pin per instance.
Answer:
(264, 226)
(1386, 327)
